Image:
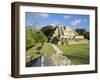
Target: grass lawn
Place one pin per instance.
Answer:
(47, 49)
(77, 53)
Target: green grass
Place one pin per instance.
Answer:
(47, 49)
(33, 52)
(77, 53)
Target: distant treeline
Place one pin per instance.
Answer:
(83, 32)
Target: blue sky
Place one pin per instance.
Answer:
(43, 19)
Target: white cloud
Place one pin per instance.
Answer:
(37, 15)
(45, 15)
(76, 22)
(66, 16)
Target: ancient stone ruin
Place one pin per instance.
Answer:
(66, 35)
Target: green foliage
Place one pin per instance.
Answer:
(33, 52)
(30, 37)
(86, 35)
(33, 36)
(83, 32)
(40, 37)
(80, 31)
(48, 31)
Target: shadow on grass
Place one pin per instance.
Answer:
(78, 59)
(29, 47)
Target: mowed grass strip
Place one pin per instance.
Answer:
(77, 53)
(47, 49)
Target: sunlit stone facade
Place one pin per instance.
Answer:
(62, 34)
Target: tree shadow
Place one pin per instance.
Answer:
(29, 47)
(78, 59)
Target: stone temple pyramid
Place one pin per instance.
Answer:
(65, 34)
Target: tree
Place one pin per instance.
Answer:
(86, 35)
(83, 32)
(41, 37)
(80, 31)
(30, 36)
(48, 31)
(33, 36)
